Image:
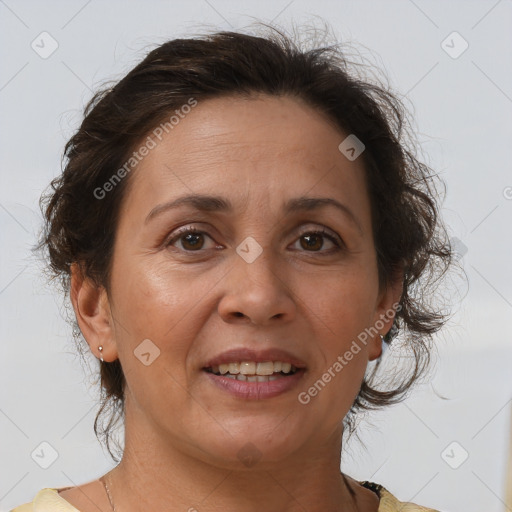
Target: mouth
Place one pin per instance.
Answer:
(251, 380)
(252, 371)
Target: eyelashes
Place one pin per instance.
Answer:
(187, 232)
(190, 238)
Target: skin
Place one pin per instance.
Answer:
(183, 434)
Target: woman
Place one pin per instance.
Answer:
(242, 228)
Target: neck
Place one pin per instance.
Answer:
(159, 474)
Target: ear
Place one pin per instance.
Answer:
(92, 311)
(385, 313)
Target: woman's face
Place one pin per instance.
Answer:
(255, 278)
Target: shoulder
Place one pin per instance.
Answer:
(389, 503)
(46, 500)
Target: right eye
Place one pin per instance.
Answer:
(192, 239)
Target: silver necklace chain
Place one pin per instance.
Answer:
(104, 481)
(111, 501)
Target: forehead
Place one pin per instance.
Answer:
(241, 126)
(260, 149)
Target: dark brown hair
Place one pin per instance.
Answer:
(408, 233)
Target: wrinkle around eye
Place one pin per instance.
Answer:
(178, 237)
(166, 232)
(322, 234)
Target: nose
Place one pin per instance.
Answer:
(256, 293)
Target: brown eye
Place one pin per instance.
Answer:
(314, 241)
(192, 240)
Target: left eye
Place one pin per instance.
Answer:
(314, 240)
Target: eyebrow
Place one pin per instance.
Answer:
(207, 203)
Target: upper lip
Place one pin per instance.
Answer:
(236, 355)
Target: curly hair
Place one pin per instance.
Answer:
(409, 235)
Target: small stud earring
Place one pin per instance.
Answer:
(100, 348)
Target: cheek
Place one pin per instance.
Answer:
(345, 303)
(335, 382)
(154, 290)
(340, 314)
(346, 310)
(330, 392)
(155, 302)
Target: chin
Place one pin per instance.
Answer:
(252, 444)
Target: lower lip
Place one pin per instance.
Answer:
(256, 390)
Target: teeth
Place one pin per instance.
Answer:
(266, 368)
(253, 378)
(246, 369)
(286, 367)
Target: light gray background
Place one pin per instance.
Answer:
(463, 110)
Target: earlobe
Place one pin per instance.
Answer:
(375, 348)
(387, 308)
(92, 311)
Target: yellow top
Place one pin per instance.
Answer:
(49, 500)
